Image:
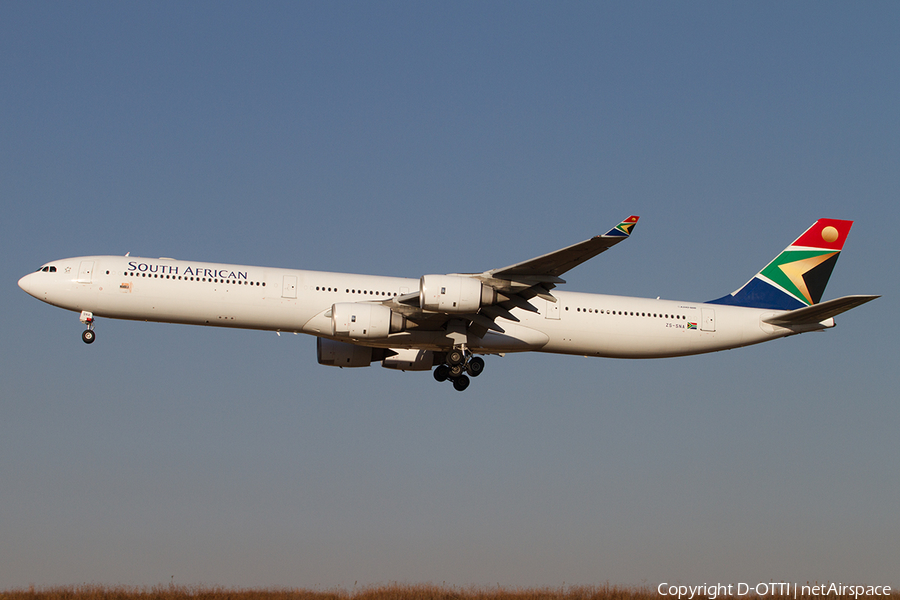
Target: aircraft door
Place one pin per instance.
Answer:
(707, 319)
(289, 287)
(85, 271)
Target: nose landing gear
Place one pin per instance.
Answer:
(460, 363)
(88, 335)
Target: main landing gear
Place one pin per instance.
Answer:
(460, 363)
(88, 335)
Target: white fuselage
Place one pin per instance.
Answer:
(175, 291)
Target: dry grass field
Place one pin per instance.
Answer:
(382, 592)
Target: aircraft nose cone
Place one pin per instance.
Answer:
(27, 283)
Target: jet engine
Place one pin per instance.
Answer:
(454, 293)
(341, 354)
(361, 320)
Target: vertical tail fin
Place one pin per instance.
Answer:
(796, 277)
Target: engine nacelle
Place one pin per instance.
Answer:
(341, 354)
(361, 320)
(409, 359)
(454, 293)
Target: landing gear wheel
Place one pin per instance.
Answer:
(88, 336)
(455, 357)
(475, 366)
(461, 383)
(441, 373)
(456, 371)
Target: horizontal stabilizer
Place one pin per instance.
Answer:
(818, 312)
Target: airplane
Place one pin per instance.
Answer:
(444, 322)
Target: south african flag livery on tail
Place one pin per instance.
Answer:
(624, 228)
(797, 277)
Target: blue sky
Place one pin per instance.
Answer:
(413, 138)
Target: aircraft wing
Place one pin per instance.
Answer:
(809, 315)
(516, 284)
(550, 266)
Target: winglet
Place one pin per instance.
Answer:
(624, 228)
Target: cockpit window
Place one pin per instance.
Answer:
(47, 270)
